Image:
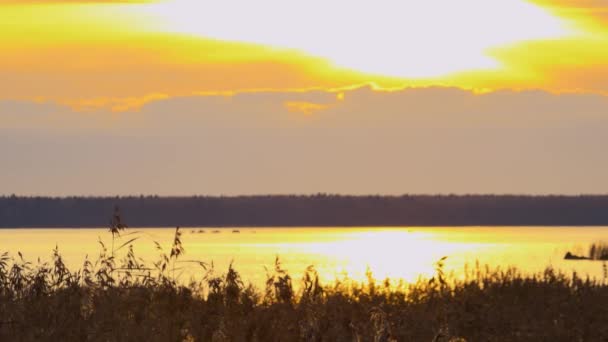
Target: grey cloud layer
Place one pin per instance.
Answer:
(432, 140)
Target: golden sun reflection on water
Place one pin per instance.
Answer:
(387, 253)
(398, 253)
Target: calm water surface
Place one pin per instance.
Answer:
(405, 253)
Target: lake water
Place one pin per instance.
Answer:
(399, 253)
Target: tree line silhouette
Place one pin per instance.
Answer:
(313, 210)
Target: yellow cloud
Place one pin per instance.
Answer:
(307, 108)
(589, 15)
(125, 104)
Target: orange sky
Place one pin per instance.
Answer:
(184, 97)
(86, 52)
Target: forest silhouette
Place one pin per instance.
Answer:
(312, 210)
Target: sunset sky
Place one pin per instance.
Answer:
(182, 97)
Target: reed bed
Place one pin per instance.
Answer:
(598, 251)
(129, 299)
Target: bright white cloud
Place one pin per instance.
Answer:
(408, 38)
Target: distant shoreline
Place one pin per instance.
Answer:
(320, 210)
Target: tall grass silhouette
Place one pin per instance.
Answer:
(598, 251)
(120, 297)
